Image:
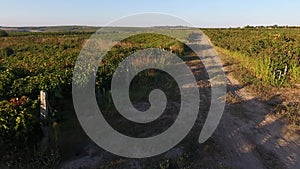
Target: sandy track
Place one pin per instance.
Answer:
(251, 136)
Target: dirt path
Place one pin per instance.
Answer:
(251, 136)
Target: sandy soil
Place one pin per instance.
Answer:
(253, 137)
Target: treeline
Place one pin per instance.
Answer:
(270, 27)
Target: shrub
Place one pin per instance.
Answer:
(129, 46)
(3, 33)
(6, 79)
(19, 122)
(6, 52)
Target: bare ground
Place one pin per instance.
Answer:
(254, 137)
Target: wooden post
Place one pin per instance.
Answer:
(44, 110)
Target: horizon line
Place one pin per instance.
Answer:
(97, 26)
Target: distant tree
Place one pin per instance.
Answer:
(3, 33)
(249, 27)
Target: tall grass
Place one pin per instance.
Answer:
(264, 68)
(295, 73)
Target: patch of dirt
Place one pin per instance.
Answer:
(253, 137)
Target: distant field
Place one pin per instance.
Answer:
(50, 29)
(45, 60)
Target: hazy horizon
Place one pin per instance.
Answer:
(98, 26)
(204, 14)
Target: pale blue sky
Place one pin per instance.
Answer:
(210, 13)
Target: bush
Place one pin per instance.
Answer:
(129, 46)
(6, 52)
(6, 79)
(3, 33)
(19, 122)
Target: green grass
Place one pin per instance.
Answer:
(255, 74)
(253, 70)
(271, 55)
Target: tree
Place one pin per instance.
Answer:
(249, 27)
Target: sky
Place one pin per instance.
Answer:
(209, 13)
